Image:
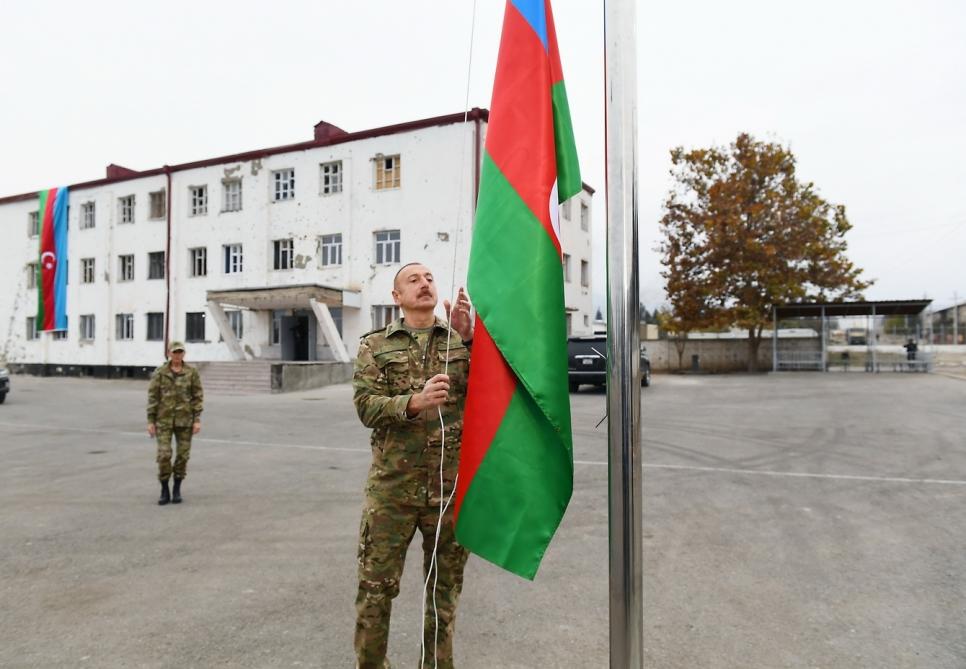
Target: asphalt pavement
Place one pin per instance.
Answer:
(791, 520)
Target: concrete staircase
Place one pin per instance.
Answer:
(236, 378)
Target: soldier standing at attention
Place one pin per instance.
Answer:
(398, 384)
(175, 402)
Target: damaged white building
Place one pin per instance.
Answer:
(280, 254)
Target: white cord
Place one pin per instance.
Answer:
(433, 570)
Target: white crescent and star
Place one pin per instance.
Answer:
(48, 264)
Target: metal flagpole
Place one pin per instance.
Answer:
(623, 339)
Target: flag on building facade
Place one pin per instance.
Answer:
(52, 268)
(516, 464)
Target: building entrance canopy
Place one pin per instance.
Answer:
(298, 297)
(284, 297)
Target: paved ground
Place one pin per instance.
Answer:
(790, 521)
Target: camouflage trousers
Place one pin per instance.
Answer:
(386, 531)
(183, 437)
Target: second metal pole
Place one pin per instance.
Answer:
(623, 339)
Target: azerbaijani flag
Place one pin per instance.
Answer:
(516, 465)
(52, 279)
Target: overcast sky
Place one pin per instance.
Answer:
(871, 97)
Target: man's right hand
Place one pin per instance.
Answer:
(434, 394)
(152, 429)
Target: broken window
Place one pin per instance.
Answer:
(156, 265)
(331, 177)
(199, 200)
(155, 326)
(158, 204)
(233, 258)
(126, 209)
(87, 215)
(87, 270)
(387, 172)
(232, 195)
(124, 326)
(125, 268)
(284, 253)
(199, 261)
(284, 184)
(87, 327)
(195, 326)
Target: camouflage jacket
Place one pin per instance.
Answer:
(175, 400)
(389, 369)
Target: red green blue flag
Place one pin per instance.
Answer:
(516, 462)
(52, 268)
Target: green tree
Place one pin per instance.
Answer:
(741, 234)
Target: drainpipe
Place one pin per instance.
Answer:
(476, 161)
(167, 264)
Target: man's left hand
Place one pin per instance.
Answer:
(196, 428)
(459, 315)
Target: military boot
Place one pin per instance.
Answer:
(176, 493)
(165, 493)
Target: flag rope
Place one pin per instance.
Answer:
(433, 569)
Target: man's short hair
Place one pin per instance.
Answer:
(409, 264)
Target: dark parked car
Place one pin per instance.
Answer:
(586, 361)
(4, 384)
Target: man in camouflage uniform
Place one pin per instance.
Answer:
(399, 383)
(175, 402)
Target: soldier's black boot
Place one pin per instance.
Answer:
(176, 493)
(165, 494)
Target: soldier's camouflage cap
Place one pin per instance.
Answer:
(176, 346)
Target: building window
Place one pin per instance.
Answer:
(235, 321)
(233, 258)
(32, 328)
(87, 215)
(199, 261)
(566, 267)
(387, 247)
(584, 273)
(87, 327)
(32, 275)
(584, 217)
(331, 177)
(87, 270)
(570, 326)
(155, 326)
(283, 253)
(156, 265)
(586, 321)
(125, 268)
(59, 335)
(126, 209)
(384, 314)
(199, 200)
(232, 201)
(124, 326)
(284, 184)
(275, 336)
(33, 224)
(195, 326)
(158, 204)
(387, 172)
(332, 249)
(565, 209)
